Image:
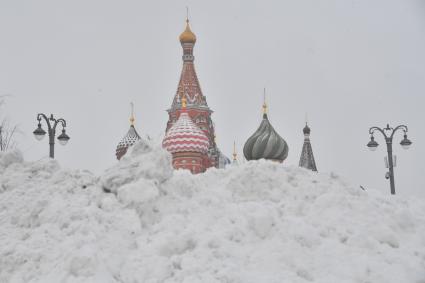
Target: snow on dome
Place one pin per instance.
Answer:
(256, 222)
(128, 140)
(185, 136)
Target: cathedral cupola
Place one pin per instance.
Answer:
(306, 130)
(129, 139)
(187, 36)
(188, 40)
(266, 143)
(187, 143)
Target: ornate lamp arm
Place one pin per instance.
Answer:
(62, 121)
(401, 127)
(373, 129)
(41, 115)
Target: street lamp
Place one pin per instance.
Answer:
(51, 122)
(373, 145)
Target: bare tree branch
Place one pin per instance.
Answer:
(7, 131)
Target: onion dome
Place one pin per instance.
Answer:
(129, 139)
(266, 143)
(187, 36)
(306, 130)
(185, 135)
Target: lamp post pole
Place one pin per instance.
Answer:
(388, 133)
(51, 122)
(389, 142)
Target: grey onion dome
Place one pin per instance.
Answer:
(306, 130)
(129, 139)
(266, 143)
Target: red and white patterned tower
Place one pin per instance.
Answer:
(187, 143)
(197, 107)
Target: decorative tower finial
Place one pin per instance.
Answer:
(187, 36)
(264, 102)
(132, 114)
(234, 152)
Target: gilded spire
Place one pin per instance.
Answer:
(264, 102)
(234, 152)
(132, 114)
(187, 36)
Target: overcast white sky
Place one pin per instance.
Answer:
(348, 64)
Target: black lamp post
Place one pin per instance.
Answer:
(405, 143)
(51, 122)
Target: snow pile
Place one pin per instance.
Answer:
(257, 222)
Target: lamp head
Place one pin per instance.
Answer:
(63, 138)
(405, 143)
(39, 133)
(372, 144)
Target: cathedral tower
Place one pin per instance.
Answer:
(307, 158)
(197, 108)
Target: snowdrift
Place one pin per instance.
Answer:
(256, 222)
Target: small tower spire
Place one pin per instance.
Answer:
(187, 36)
(234, 152)
(264, 102)
(132, 114)
(307, 157)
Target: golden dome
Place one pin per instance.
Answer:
(187, 36)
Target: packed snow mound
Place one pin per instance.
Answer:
(144, 161)
(256, 222)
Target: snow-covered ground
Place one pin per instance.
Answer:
(256, 222)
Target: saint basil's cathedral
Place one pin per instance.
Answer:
(190, 134)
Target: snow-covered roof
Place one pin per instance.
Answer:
(128, 140)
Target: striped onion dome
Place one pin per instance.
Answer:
(129, 139)
(185, 136)
(266, 143)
